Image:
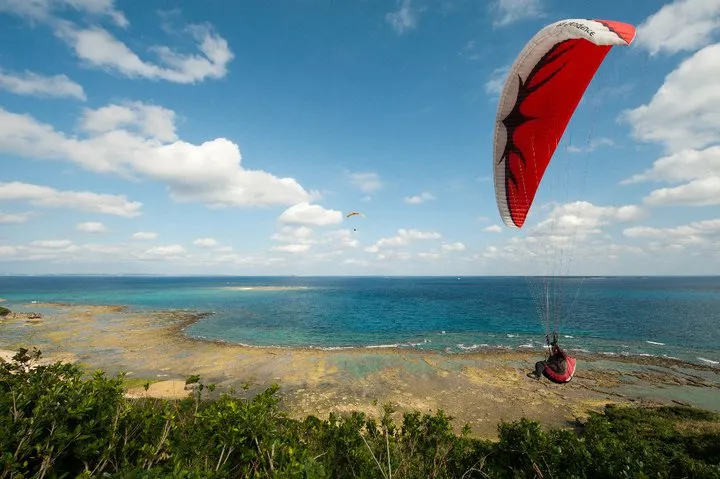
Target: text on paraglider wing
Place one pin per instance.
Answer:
(579, 26)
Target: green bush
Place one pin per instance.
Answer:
(4, 311)
(57, 421)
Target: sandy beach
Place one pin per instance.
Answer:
(481, 388)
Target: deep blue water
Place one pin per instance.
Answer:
(619, 315)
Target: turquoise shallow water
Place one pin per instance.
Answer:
(663, 316)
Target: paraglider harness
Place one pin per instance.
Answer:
(551, 344)
(555, 351)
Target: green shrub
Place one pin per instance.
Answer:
(58, 421)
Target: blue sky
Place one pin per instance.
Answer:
(227, 137)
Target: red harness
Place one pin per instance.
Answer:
(561, 377)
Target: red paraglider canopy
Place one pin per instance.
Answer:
(541, 93)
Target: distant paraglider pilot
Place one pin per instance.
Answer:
(559, 367)
(355, 213)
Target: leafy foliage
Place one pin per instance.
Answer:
(4, 312)
(57, 421)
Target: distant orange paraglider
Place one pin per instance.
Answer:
(355, 213)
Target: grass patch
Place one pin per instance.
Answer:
(130, 383)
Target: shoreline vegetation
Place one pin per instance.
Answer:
(58, 420)
(141, 399)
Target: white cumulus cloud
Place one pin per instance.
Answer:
(51, 243)
(341, 239)
(701, 237)
(570, 233)
(205, 242)
(591, 145)
(511, 11)
(356, 262)
(167, 250)
(97, 47)
(685, 111)
(684, 117)
(403, 238)
(366, 181)
(149, 121)
(15, 218)
(682, 166)
(144, 235)
(34, 84)
(457, 246)
(291, 248)
(494, 85)
(139, 140)
(404, 18)
(47, 197)
(703, 192)
(421, 198)
(294, 234)
(307, 214)
(92, 227)
(682, 25)
(47, 10)
(581, 218)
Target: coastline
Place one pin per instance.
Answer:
(480, 388)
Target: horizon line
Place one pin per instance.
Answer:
(205, 275)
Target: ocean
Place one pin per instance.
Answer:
(677, 317)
